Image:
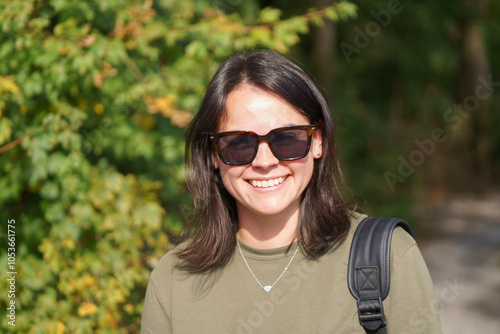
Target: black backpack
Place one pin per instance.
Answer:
(369, 269)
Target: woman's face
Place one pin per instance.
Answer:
(252, 109)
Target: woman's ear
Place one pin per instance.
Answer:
(216, 161)
(317, 144)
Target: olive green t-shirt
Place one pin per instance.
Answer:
(311, 297)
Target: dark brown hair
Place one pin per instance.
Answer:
(324, 218)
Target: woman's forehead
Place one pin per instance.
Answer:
(251, 108)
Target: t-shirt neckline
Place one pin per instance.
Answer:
(267, 254)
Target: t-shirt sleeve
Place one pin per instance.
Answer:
(155, 313)
(411, 306)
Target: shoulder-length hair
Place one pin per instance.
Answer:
(324, 217)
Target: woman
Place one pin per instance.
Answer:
(270, 233)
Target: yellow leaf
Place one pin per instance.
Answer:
(7, 85)
(129, 308)
(87, 308)
(68, 243)
(58, 327)
(98, 108)
(89, 280)
(61, 328)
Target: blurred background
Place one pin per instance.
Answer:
(95, 97)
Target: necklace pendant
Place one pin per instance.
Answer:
(266, 288)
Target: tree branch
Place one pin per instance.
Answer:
(11, 145)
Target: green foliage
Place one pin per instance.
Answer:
(269, 15)
(94, 99)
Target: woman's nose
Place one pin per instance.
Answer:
(264, 157)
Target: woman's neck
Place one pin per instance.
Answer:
(267, 232)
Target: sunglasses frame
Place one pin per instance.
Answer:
(267, 137)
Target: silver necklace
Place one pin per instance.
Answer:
(266, 288)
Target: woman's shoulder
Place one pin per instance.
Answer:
(168, 262)
(401, 242)
(356, 218)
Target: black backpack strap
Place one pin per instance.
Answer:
(369, 269)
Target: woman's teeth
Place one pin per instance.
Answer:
(267, 183)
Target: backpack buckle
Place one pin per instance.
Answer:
(371, 313)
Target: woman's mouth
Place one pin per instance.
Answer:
(267, 183)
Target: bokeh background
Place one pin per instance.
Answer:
(95, 97)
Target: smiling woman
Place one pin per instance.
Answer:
(269, 221)
(260, 92)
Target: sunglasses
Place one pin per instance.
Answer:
(240, 147)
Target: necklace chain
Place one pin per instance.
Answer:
(266, 288)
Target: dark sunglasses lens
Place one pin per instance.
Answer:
(237, 149)
(290, 144)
